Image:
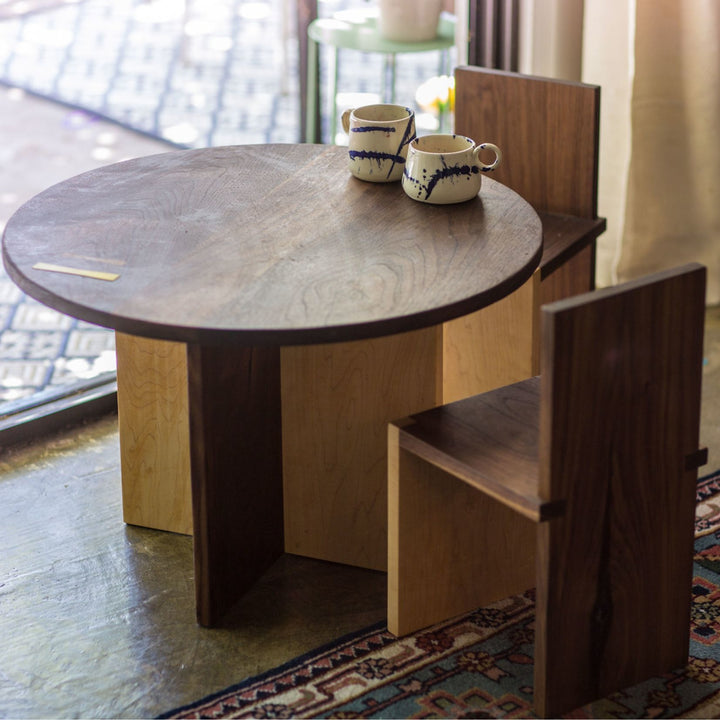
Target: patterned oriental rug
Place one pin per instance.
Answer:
(479, 665)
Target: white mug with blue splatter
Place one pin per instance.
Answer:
(444, 169)
(379, 136)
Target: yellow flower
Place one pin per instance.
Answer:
(437, 95)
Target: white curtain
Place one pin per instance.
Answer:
(658, 63)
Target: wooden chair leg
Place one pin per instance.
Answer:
(613, 593)
(451, 548)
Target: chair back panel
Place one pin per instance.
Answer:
(620, 397)
(547, 129)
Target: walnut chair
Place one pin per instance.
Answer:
(579, 482)
(549, 133)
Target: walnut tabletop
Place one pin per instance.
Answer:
(305, 310)
(265, 245)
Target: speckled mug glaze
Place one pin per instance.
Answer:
(445, 169)
(379, 136)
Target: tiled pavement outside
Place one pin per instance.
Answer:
(212, 72)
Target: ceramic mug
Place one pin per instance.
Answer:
(444, 169)
(379, 136)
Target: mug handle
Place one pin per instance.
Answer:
(487, 146)
(345, 119)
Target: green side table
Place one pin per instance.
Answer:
(358, 30)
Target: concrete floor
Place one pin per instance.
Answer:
(97, 618)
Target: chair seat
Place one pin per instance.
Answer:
(489, 441)
(564, 236)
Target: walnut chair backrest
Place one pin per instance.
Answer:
(548, 131)
(621, 373)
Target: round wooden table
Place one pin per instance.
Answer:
(238, 252)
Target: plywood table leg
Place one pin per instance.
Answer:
(236, 462)
(337, 401)
(154, 435)
(494, 346)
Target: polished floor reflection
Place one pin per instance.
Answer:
(97, 619)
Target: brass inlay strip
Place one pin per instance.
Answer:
(95, 274)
